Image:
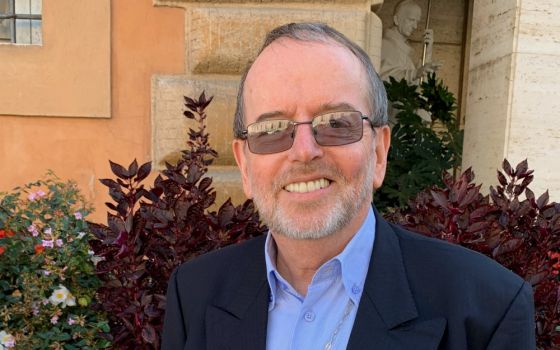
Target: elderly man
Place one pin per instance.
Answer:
(311, 142)
(396, 53)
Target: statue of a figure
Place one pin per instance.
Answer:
(396, 60)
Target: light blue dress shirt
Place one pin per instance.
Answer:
(308, 322)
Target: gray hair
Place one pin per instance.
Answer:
(403, 3)
(319, 32)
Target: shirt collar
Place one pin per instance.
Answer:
(353, 261)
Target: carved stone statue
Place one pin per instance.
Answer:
(396, 53)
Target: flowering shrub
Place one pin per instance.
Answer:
(151, 231)
(511, 225)
(47, 273)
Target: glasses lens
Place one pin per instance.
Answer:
(270, 136)
(338, 128)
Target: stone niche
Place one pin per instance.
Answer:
(221, 37)
(447, 19)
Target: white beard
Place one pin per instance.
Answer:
(324, 219)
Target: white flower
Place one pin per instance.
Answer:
(48, 231)
(81, 235)
(7, 340)
(62, 296)
(96, 259)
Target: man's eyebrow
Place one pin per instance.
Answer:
(270, 115)
(334, 107)
(324, 108)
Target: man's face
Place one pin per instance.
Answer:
(407, 19)
(297, 81)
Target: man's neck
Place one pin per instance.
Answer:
(298, 260)
(397, 35)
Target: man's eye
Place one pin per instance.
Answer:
(337, 123)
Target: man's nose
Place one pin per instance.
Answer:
(304, 148)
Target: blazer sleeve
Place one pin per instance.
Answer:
(174, 335)
(516, 331)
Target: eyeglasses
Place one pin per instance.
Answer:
(329, 129)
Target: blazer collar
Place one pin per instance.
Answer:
(387, 317)
(238, 317)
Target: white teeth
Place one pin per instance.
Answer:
(303, 187)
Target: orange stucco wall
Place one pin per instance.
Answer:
(145, 40)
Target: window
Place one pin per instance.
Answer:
(20, 22)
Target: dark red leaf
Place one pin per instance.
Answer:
(543, 200)
(502, 179)
(149, 334)
(143, 172)
(440, 199)
(507, 168)
(110, 183)
(119, 171)
(133, 168)
(507, 247)
(530, 194)
(521, 168)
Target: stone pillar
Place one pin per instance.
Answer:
(220, 39)
(513, 100)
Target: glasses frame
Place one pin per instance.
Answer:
(245, 132)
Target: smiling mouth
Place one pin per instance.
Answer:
(309, 186)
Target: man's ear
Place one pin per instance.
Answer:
(239, 152)
(382, 144)
(396, 20)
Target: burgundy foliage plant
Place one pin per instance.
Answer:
(510, 225)
(149, 232)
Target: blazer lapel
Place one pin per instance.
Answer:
(238, 318)
(387, 317)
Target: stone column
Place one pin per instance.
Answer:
(513, 102)
(220, 39)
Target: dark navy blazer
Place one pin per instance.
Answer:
(419, 294)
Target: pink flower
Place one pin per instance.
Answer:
(71, 321)
(41, 193)
(33, 230)
(78, 215)
(59, 243)
(49, 243)
(32, 196)
(48, 231)
(54, 319)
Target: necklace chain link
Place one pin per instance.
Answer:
(347, 309)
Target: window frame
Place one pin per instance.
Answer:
(13, 16)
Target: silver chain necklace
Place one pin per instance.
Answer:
(347, 309)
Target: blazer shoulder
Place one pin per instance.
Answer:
(454, 264)
(218, 266)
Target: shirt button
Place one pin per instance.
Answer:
(309, 316)
(356, 289)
